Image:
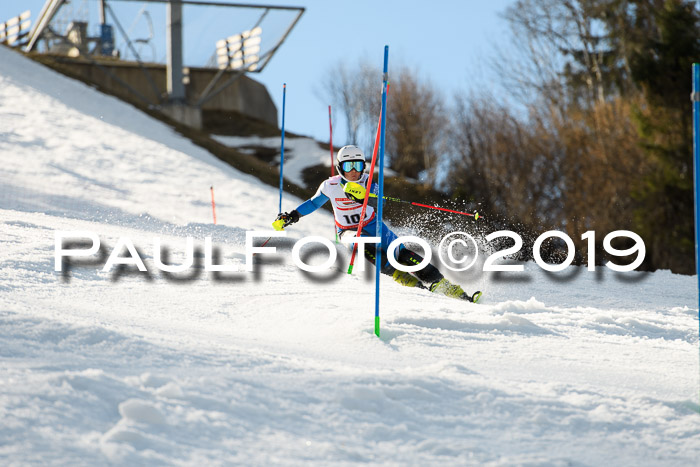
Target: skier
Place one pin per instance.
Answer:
(346, 192)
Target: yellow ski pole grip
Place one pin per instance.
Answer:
(278, 224)
(355, 189)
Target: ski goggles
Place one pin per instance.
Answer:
(347, 166)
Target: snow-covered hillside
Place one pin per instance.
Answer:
(282, 367)
(300, 153)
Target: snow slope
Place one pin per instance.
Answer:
(280, 366)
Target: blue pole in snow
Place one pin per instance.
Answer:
(284, 98)
(378, 263)
(695, 96)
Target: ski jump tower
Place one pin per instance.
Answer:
(112, 58)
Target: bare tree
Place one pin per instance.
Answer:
(564, 54)
(417, 127)
(344, 88)
(575, 172)
(416, 120)
(503, 164)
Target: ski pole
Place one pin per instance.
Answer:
(264, 243)
(476, 215)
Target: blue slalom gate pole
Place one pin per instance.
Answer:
(695, 96)
(382, 132)
(284, 98)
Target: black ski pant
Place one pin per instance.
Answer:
(428, 275)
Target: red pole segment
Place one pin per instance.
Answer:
(443, 209)
(369, 187)
(330, 124)
(213, 205)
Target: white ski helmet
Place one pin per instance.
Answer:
(349, 154)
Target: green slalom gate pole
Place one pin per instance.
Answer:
(378, 262)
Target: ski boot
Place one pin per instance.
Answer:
(405, 278)
(474, 298)
(445, 287)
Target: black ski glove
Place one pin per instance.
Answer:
(285, 218)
